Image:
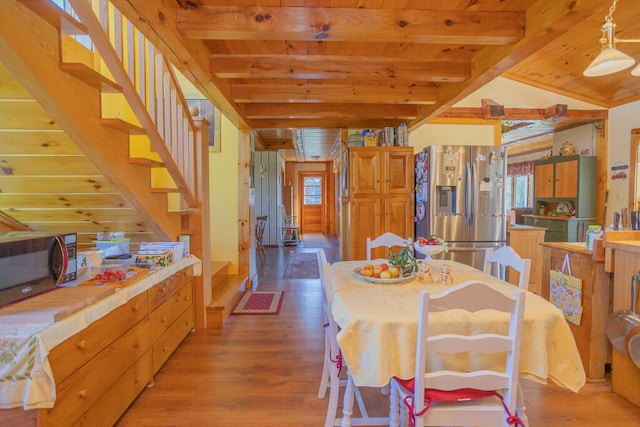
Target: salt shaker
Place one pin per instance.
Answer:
(445, 274)
(424, 273)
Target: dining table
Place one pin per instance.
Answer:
(378, 327)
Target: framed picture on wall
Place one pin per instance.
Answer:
(207, 110)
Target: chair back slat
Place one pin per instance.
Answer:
(505, 257)
(388, 240)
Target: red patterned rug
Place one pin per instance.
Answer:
(259, 303)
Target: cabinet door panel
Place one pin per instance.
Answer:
(566, 184)
(366, 170)
(399, 172)
(366, 221)
(398, 216)
(543, 181)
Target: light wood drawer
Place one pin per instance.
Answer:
(117, 399)
(167, 313)
(81, 390)
(71, 354)
(162, 291)
(171, 339)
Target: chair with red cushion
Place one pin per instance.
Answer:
(479, 394)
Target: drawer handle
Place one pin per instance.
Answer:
(165, 348)
(164, 319)
(163, 289)
(82, 393)
(136, 307)
(82, 344)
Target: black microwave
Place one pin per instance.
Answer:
(32, 263)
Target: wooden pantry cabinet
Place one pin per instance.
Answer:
(380, 197)
(101, 370)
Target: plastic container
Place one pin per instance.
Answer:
(113, 247)
(593, 232)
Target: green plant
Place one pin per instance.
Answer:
(404, 259)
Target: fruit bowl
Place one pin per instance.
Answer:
(428, 250)
(357, 273)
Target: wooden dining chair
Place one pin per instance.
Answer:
(505, 257)
(476, 393)
(388, 240)
(332, 364)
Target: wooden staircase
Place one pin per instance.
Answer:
(115, 188)
(226, 292)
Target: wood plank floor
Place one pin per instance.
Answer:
(265, 370)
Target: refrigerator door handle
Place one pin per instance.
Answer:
(468, 209)
(475, 188)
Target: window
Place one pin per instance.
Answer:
(519, 185)
(312, 190)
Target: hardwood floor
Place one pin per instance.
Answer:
(265, 371)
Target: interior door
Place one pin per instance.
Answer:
(312, 207)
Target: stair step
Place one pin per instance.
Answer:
(219, 271)
(91, 77)
(123, 126)
(226, 295)
(143, 161)
(57, 17)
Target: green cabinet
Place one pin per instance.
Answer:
(561, 229)
(570, 179)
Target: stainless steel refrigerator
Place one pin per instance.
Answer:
(460, 197)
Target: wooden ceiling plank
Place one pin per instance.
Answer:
(357, 24)
(338, 67)
(334, 94)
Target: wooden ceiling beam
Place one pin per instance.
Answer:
(555, 111)
(334, 94)
(533, 114)
(338, 67)
(373, 123)
(350, 24)
(308, 110)
(491, 109)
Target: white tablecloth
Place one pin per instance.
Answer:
(379, 324)
(26, 379)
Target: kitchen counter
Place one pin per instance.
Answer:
(622, 249)
(590, 334)
(27, 374)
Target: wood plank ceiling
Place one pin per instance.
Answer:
(291, 69)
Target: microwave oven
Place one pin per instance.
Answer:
(32, 263)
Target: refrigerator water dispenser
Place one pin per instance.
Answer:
(445, 199)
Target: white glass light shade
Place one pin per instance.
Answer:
(609, 61)
(636, 71)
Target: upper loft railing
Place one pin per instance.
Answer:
(149, 87)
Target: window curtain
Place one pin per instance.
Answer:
(520, 169)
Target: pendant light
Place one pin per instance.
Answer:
(611, 60)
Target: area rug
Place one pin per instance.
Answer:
(302, 265)
(259, 303)
(315, 240)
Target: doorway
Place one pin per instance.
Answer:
(312, 198)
